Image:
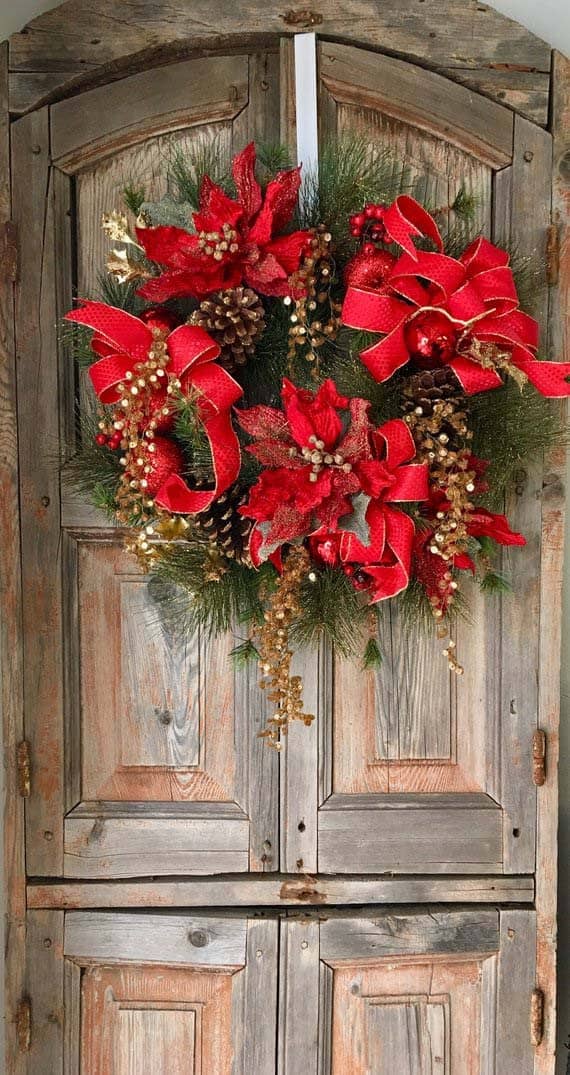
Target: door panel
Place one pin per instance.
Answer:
(157, 993)
(416, 993)
(419, 771)
(123, 714)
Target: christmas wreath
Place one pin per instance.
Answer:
(308, 406)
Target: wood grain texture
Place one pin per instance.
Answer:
(410, 834)
(145, 1018)
(155, 938)
(419, 1018)
(206, 843)
(288, 890)
(11, 670)
(553, 511)
(36, 342)
(522, 209)
(45, 988)
(102, 121)
(299, 998)
(516, 980)
(254, 1002)
(419, 98)
(78, 44)
(408, 933)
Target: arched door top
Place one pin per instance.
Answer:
(81, 44)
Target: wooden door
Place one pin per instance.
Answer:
(144, 743)
(152, 941)
(412, 771)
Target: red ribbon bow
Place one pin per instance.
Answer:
(476, 293)
(123, 340)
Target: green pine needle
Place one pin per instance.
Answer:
(493, 582)
(244, 654)
(331, 609)
(372, 657)
(133, 197)
(271, 159)
(185, 175)
(124, 296)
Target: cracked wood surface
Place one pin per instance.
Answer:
(84, 43)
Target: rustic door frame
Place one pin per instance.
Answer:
(47, 62)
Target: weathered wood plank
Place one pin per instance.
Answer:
(551, 591)
(284, 890)
(44, 987)
(516, 981)
(254, 1001)
(78, 45)
(132, 847)
(96, 124)
(421, 98)
(38, 425)
(371, 936)
(522, 212)
(189, 940)
(299, 762)
(299, 998)
(357, 837)
(11, 671)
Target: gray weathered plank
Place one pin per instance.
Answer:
(299, 761)
(522, 212)
(11, 656)
(190, 940)
(45, 989)
(437, 837)
(132, 847)
(551, 589)
(299, 998)
(79, 44)
(254, 1001)
(516, 981)
(38, 425)
(282, 890)
(371, 936)
(101, 121)
(421, 98)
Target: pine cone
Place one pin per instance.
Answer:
(235, 320)
(430, 387)
(227, 530)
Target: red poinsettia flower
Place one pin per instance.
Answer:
(236, 240)
(331, 475)
(437, 310)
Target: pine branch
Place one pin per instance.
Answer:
(333, 610)
(133, 197)
(186, 174)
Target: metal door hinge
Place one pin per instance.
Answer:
(24, 769)
(24, 1025)
(9, 249)
(539, 758)
(536, 1017)
(552, 254)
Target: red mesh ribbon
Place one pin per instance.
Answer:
(476, 292)
(123, 340)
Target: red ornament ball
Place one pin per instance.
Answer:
(165, 458)
(369, 267)
(431, 339)
(101, 439)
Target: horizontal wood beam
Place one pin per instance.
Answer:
(279, 890)
(82, 43)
